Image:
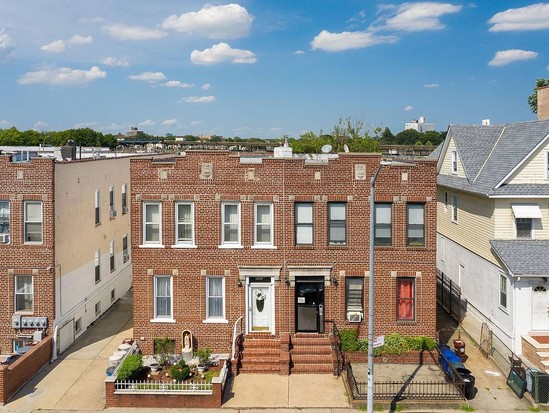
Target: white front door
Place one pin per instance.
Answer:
(540, 308)
(260, 302)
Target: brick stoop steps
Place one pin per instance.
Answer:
(288, 354)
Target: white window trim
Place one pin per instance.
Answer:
(222, 319)
(25, 221)
(501, 307)
(112, 256)
(184, 244)
(455, 208)
(546, 164)
(151, 244)
(15, 294)
(124, 198)
(269, 244)
(163, 319)
(97, 207)
(299, 224)
(532, 229)
(112, 206)
(225, 244)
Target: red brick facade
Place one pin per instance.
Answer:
(207, 179)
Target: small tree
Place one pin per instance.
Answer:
(163, 348)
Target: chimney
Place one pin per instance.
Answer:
(543, 102)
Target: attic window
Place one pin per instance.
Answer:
(454, 162)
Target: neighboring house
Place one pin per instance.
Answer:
(64, 246)
(419, 125)
(282, 244)
(493, 225)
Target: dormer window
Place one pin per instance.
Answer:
(454, 162)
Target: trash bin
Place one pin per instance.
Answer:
(469, 382)
(529, 378)
(463, 371)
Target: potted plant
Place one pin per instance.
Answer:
(203, 356)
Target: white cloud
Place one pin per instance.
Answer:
(533, 17)
(115, 61)
(504, 57)
(431, 85)
(220, 53)
(39, 125)
(169, 122)
(414, 17)
(408, 108)
(299, 52)
(6, 41)
(200, 99)
(122, 32)
(337, 42)
(147, 123)
(196, 123)
(58, 46)
(4, 124)
(64, 76)
(206, 86)
(150, 77)
(230, 21)
(92, 125)
(177, 83)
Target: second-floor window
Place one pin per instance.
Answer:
(97, 207)
(185, 220)
(454, 208)
(4, 222)
(230, 217)
(383, 224)
(524, 227)
(263, 221)
(33, 221)
(111, 256)
(24, 293)
(97, 266)
(415, 224)
(152, 223)
(303, 223)
(503, 291)
(337, 223)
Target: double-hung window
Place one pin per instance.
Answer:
(125, 250)
(354, 298)
(524, 227)
(97, 266)
(337, 223)
(230, 219)
(124, 199)
(215, 298)
(111, 256)
(304, 223)
(152, 223)
(4, 222)
(33, 221)
(406, 299)
(184, 218)
(24, 293)
(502, 291)
(163, 297)
(263, 221)
(97, 207)
(415, 231)
(111, 202)
(454, 162)
(454, 208)
(383, 224)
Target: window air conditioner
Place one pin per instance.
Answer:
(126, 257)
(4, 238)
(113, 213)
(354, 316)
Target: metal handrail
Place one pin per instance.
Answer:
(236, 335)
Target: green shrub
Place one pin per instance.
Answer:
(180, 371)
(349, 340)
(203, 355)
(164, 347)
(395, 344)
(130, 367)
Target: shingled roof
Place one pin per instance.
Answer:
(523, 257)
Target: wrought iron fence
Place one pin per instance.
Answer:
(449, 296)
(158, 387)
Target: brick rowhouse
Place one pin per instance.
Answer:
(171, 280)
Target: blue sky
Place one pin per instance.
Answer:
(266, 68)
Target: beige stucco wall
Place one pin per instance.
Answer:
(446, 167)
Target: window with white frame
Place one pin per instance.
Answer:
(97, 207)
(215, 298)
(230, 217)
(304, 223)
(184, 218)
(111, 199)
(354, 295)
(97, 266)
(524, 227)
(547, 164)
(454, 208)
(263, 221)
(163, 298)
(124, 202)
(111, 256)
(24, 293)
(125, 250)
(415, 225)
(4, 221)
(98, 308)
(152, 223)
(383, 224)
(33, 221)
(454, 162)
(337, 223)
(503, 291)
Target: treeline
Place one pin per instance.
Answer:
(82, 136)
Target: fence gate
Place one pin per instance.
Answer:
(485, 340)
(449, 296)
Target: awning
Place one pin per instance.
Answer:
(526, 211)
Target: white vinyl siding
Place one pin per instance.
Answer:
(505, 227)
(533, 170)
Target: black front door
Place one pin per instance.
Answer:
(309, 305)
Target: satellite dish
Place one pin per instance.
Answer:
(346, 148)
(326, 148)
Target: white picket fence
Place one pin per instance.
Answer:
(158, 387)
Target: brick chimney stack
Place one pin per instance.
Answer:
(543, 102)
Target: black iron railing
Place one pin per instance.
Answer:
(338, 357)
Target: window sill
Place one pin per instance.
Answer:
(406, 322)
(305, 246)
(229, 246)
(162, 320)
(215, 321)
(263, 247)
(183, 246)
(503, 309)
(33, 243)
(151, 246)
